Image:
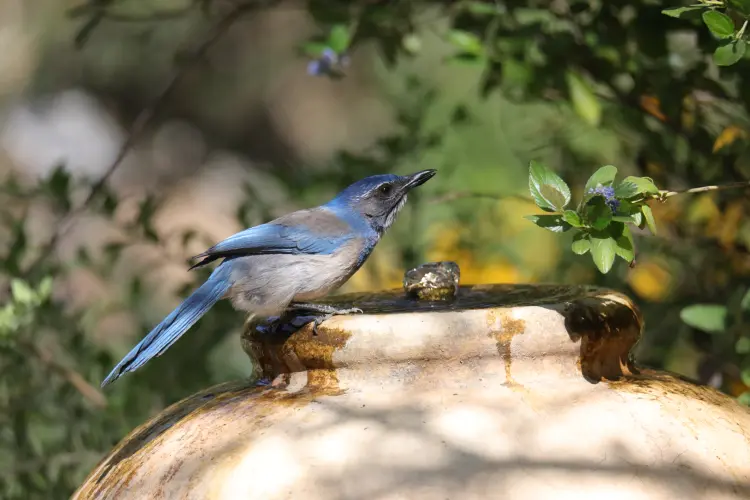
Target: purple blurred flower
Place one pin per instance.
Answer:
(608, 192)
(327, 62)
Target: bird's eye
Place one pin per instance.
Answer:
(385, 189)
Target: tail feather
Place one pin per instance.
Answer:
(175, 325)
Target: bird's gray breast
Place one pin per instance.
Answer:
(266, 284)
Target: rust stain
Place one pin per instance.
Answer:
(607, 327)
(314, 354)
(508, 328)
(276, 356)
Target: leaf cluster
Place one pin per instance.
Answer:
(602, 219)
(727, 21)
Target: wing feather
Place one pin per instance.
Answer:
(313, 231)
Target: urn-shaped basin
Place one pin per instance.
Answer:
(501, 391)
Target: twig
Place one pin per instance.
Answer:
(140, 123)
(88, 391)
(663, 195)
(469, 194)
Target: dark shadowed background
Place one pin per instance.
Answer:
(222, 127)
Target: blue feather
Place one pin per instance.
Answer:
(176, 324)
(314, 231)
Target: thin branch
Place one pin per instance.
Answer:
(663, 195)
(141, 122)
(88, 391)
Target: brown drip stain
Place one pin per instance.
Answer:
(503, 336)
(607, 330)
(314, 353)
(278, 356)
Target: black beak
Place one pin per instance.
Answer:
(419, 178)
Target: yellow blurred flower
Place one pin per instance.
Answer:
(703, 209)
(447, 246)
(730, 223)
(651, 280)
(652, 106)
(728, 136)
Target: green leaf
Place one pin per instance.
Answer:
(338, 40)
(482, 8)
(742, 346)
(637, 219)
(584, 101)
(744, 398)
(412, 43)
(466, 42)
(745, 302)
(45, 288)
(625, 248)
(552, 222)
(709, 318)
(314, 49)
(597, 213)
(746, 376)
(59, 187)
(12, 259)
(643, 185)
(460, 115)
(625, 219)
(679, 11)
(604, 176)
(720, 24)
(626, 190)
(572, 218)
(22, 292)
(603, 251)
(554, 196)
(740, 6)
(549, 191)
(730, 53)
(648, 217)
(581, 244)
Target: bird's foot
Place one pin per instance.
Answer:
(325, 310)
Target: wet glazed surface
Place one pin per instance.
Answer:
(468, 297)
(520, 389)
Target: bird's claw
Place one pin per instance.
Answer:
(338, 312)
(353, 310)
(318, 321)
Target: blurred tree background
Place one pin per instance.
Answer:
(137, 133)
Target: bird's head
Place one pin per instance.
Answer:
(379, 198)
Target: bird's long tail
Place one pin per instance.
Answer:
(176, 324)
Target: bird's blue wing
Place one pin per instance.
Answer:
(315, 231)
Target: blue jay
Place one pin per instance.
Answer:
(278, 266)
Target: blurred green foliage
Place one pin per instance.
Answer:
(599, 82)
